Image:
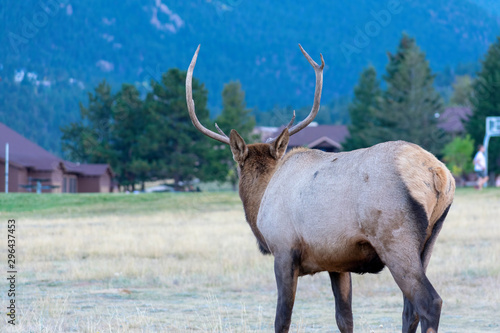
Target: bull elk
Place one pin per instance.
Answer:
(349, 212)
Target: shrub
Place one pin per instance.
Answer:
(458, 155)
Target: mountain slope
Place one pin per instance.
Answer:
(491, 6)
(63, 50)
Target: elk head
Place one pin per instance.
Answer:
(257, 162)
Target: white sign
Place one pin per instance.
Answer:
(492, 126)
(492, 129)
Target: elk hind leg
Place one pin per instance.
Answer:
(286, 270)
(342, 290)
(410, 316)
(423, 302)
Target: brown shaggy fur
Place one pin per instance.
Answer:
(257, 163)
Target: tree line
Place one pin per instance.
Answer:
(409, 108)
(151, 137)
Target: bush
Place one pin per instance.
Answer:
(458, 155)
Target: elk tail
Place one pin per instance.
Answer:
(440, 179)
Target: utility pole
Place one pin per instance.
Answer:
(7, 167)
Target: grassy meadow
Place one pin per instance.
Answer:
(188, 262)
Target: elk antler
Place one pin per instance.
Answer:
(190, 104)
(317, 96)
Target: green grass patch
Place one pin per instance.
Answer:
(91, 204)
(49, 205)
(489, 192)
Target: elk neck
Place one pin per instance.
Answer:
(255, 175)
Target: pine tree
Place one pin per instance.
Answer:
(462, 91)
(89, 141)
(366, 98)
(234, 113)
(236, 116)
(410, 106)
(486, 103)
(130, 146)
(179, 149)
(112, 131)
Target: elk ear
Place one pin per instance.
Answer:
(238, 147)
(278, 147)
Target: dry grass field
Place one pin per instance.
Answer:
(189, 263)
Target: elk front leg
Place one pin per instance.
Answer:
(286, 269)
(342, 290)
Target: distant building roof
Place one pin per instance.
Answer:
(87, 169)
(264, 132)
(451, 120)
(25, 153)
(319, 136)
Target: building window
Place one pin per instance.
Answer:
(64, 185)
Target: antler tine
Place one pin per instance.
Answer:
(269, 140)
(190, 104)
(311, 61)
(220, 131)
(318, 70)
(317, 92)
(291, 121)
